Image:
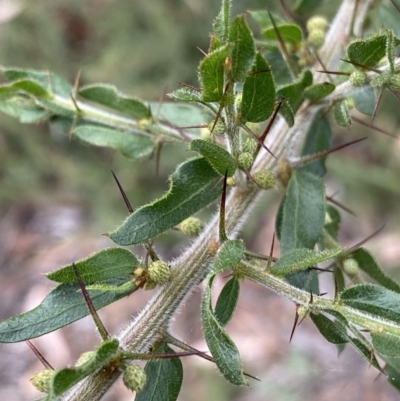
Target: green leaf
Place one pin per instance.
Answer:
(164, 378)
(129, 144)
(318, 91)
(109, 96)
(262, 18)
(301, 259)
(222, 21)
(303, 212)
(64, 379)
(258, 96)
(185, 95)
(53, 83)
(211, 74)
(388, 347)
(341, 113)
(365, 100)
(226, 355)
(227, 301)
(332, 226)
(306, 6)
(319, 138)
(393, 376)
(373, 299)
(193, 187)
(26, 85)
(367, 51)
(218, 157)
(293, 93)
(368, 264)
(289, 32)
(107, 264)
(46, 318)
(328, 329)
(243, 48)
(25, 111)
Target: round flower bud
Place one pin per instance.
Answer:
(350, 266)
(134, 378)
(317, 22)
(245, 160)
(42, 380)
(205, 134)
(219, 128)
(86, 356)
(357, 78)
(264, 179)
(191, 226)
(250, 145)
(316, 38)
(158, 272)
(230, 181)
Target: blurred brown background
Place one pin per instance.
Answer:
(57, 197)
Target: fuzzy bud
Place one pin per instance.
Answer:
(42, 380)
(219, 128)
(357, 78)
(317, 22)
(134, 378)
(245, 160)
(265, 179)
(316, 38)
(191, 226)
(350, 266)
(250, 145)
(205, 134)
(230, 181)
(85, 357)
(159, 272)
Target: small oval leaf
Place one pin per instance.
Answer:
(218, 157)
(193, 187)
(227, 301)
(328, 329)
(318, 91)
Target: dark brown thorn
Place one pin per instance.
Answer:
(126, 200)
(397, 7)
(310, 158)
(150, 252)
(283, 46)
(287, 11)
(336, 288)
(39, 356)
(259, 256)
(99, 324)
(194, 126)
(202, 51)
(218, 116)
(296, 319)
(334, 72)
(259, 72)
(365, 330)
(372, 126)
(158, 157)
(222, 231)
(359, 244)
(311, 298)
(190, 86)
(365, 67)
(322, 294)
(268, 127)
(340, 205)
(378, 102)
(180, 131)
(271, 251)
(260, 143)
(320, 269)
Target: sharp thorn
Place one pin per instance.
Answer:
(121, 190)
(296, 319)
(39, 355)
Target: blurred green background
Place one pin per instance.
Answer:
(58, 196)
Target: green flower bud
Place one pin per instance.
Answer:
(350, 266)
(317, 22)
(230, 181)
(205, 134)
(42, 380)
(316, 38)
(158, 272)
(86, 356)
(219, 128)
(265, 179)
(245, 160)
(134, 378)
(191, 226)
(250, 145)
(357, 78)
